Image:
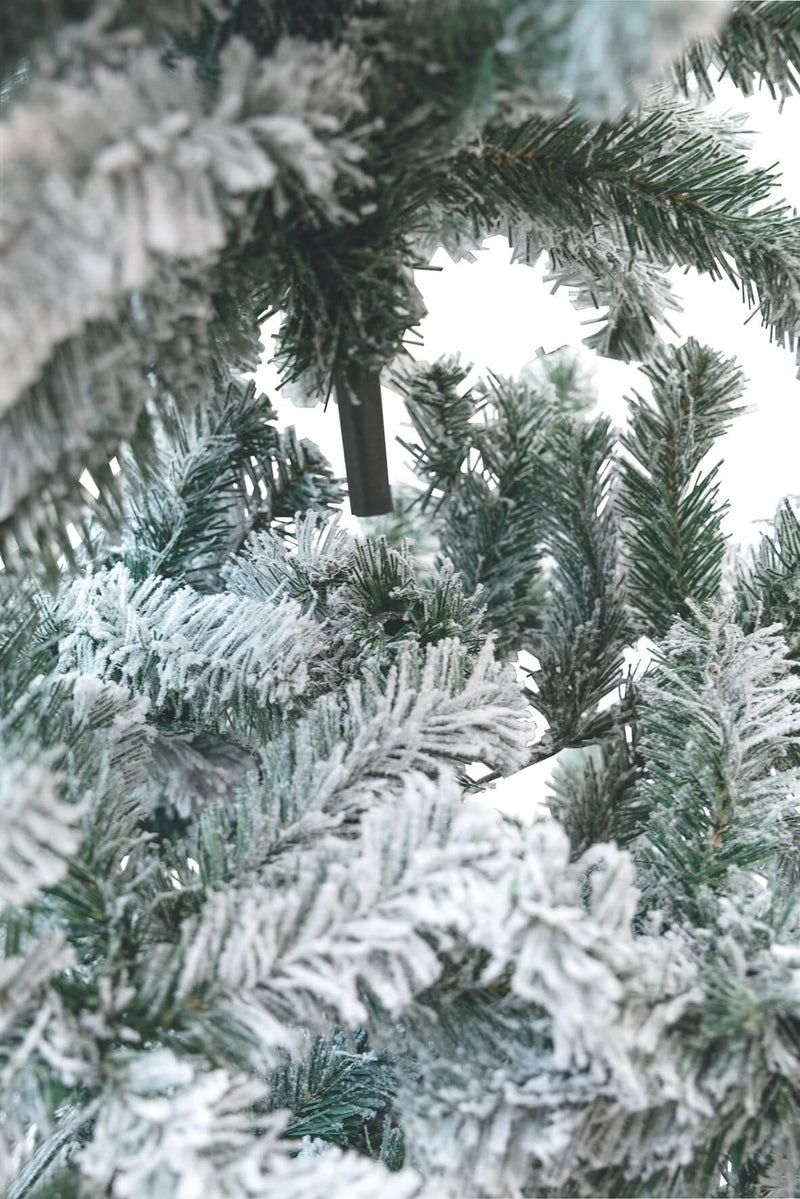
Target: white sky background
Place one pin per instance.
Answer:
(497, 315)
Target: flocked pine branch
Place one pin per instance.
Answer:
(218, 479)
(585, 626)
(126, 147)
(75, 750)
(541, 1091)
(672, 537)
(717, 807)
(207, 1139)
(722, 1001)
(597, 261)
(372, 596)
(767, 584)
(39, 834)
(348, 753)
(203, 661)
(596, 267)
(480, 453)
(47, 32)
(636, 294)
(437, 744)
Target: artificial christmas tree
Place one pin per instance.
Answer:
(260, 936)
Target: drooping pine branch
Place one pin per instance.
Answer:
(758, 46)
(477, 58)
(635, 292)
(663, 186)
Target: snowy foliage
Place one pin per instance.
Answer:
(143, 150)
(38, 831)
(263, 931)
(174, 172)
(720, 806)
(199, 1141)
(350, 752)
(214, 654)
(122, 193)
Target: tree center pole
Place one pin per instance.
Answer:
(358, 398)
